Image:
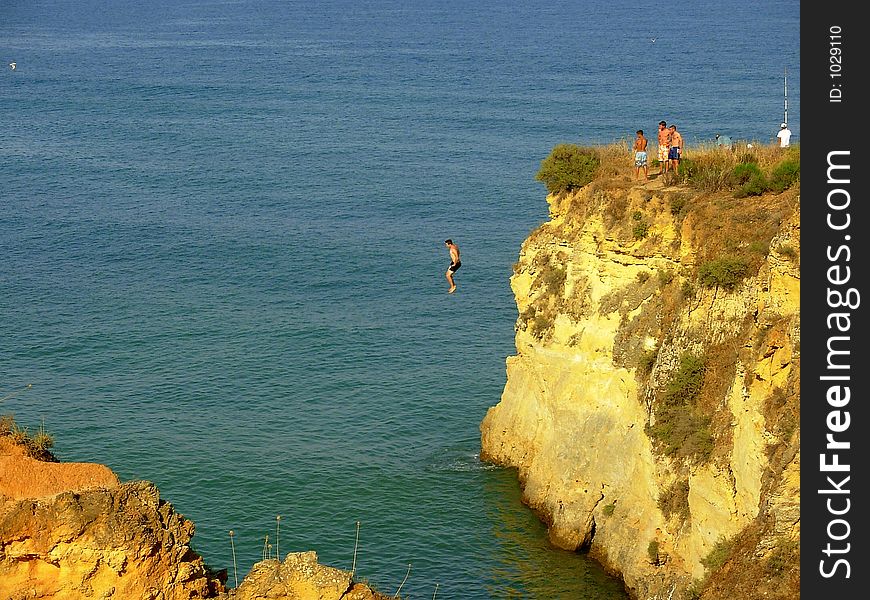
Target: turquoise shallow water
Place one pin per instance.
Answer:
(222, 247)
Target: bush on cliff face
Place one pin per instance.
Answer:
(551, 273)
(568, 167)
(674, 501)
(718, 554)
(652, 551)
(682, 432)
(680, 429)
(538, 320)
(724, 272)
(685, 385)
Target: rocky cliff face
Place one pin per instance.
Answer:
(652, 408)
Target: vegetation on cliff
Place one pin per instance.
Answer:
(750, 171)
(569, 167)
(37, 445)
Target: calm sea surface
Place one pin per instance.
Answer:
(222, 258)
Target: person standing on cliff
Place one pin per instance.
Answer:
(676, 151)
(664, 145)
(455, 263)
(783, 135)
(640, 158)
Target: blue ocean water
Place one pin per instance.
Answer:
(222, 269)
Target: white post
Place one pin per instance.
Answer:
(785, 120)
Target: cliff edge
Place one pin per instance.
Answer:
(652, 407)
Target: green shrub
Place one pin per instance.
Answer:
(687, 168)
(551, 273)
(704, 174)
(640, 230)
(687, 290)
(642, 277)
(756, 186)
(554, 278)
(540, 325)
(788, 251)
(568, 167)
(743, 173)
(784, 175)
(675, 500)
(665, 276)
(725, 272)
(698, 441)
(718, 555)
(709, 173)
(653, 551)
(529, 313)
(749, 179)
(680, 430)
(685, 384)
(608, 510)
(759, 247)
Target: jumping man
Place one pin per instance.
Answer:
(455, 263)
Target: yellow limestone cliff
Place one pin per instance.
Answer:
(652, 407)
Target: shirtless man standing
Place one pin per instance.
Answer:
(664, 145)
(676, 151)
(455, 263)
(640, 159)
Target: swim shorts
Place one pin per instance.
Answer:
(454, 267)
(663, 153)
(640, 158)
(674, 153)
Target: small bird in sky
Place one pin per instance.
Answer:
(653, 40)
(12, 65)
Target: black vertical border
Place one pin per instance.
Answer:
(833, 126)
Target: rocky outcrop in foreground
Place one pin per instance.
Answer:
(70, 531)
(118, 542)
(300, 577)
